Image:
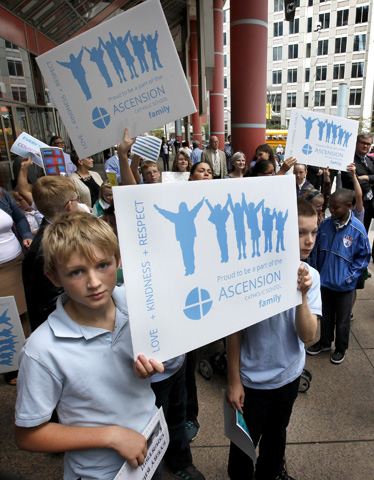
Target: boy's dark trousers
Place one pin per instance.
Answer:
(267, 414)
(171, 396)
(336, 312)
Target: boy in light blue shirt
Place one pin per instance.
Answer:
(80, 361)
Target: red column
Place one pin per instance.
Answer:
(248, 34)
(195, 117)
(217, 121)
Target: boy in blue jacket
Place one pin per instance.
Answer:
(341, 254)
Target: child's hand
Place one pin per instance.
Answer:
(146, 368)
(26, 162)
(351, 169)
(235, 396)
(304, 279)
(124, 146)
(129, 444)
(288, 164)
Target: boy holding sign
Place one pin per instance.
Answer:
(81, 360)
(265, 362)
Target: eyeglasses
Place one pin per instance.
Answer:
(58, 143)
(366, 144)
(78, 199)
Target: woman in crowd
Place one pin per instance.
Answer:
(88, 182)
(182, 162)
(13, 224)
(238, 166)
(201, 171)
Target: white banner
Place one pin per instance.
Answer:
(202, 260)
(321, 140)
(11, 335)
(124, 72)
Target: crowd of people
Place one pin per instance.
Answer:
(79, 390)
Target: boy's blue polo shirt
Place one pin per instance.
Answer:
(87, 374)
(272, 354)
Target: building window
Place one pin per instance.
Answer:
(278, 29)
(307, 75)
(306, 99)
(310, 24)
(321, 72)
(355, 96)
(294, 26)
(293, 50)
(334, 98)
(342, 18)
(308, 50)
(277, 103)
(291, 100)
(292, 75)
(362, 14)
(359, 42)
(278, 5)
(310, 3)
(225, 102)
(224, 82)
(357, 70)
(319, 99)
(224, 38)
(19, 94)
(15, 68)
(224, 16)
(324, 19)
(277, 53)
(10, 45)
(225, 60)
(277, 77)
(341, 45)
(339, 70)
(323, 47)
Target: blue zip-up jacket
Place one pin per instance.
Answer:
(341, 255)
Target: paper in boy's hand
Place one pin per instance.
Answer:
(236, 429)
(28, 146)
(157, 436)
(54, 161)
(147, 147)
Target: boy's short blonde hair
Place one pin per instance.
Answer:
(77, 232)
(51, 194)
(146, 164)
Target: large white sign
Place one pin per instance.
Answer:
(124, 72)
(321, 140)
(202, 260)
(11, 335)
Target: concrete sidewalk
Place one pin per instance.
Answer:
(331, 434)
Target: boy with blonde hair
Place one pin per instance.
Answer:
(81, 359)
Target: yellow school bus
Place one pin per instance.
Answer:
(276, 137)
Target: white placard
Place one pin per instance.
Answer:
(198, 267)
(321, 140)
(175, 177)
(124, 72)
(12, 337)
(157, 436)
(28, 146)
(237, 431)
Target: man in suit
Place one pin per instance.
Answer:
(215, 158)
(365, 174)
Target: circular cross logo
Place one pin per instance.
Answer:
(198, 304)
(307, 149)
(100, 117)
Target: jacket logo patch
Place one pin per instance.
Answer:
(347, 241)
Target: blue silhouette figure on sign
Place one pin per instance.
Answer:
(151, 43)
(347, 136)
(198, 304)
(139, 51)
(280, 222)
(307, 149)
(123, 49)
(335, 129)
(267, 227)
(321, 126)
(252, 221)
(97, 56)
(110, 48)
(218, 216)
(185, 231)
(100, 117)
(308, 125)
(328, 131)
(79, 73)
(238, 213)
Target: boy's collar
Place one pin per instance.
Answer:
(337, 224)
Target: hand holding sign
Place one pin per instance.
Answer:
(146, 368)
(128, 443)
(304, 279)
